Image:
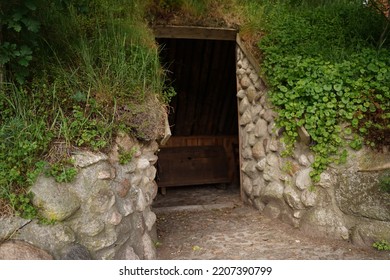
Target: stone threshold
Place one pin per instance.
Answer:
(196, 208)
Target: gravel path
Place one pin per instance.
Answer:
(241, 232)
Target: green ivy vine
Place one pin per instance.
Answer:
(331, 100)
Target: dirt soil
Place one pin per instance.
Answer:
(211, 223)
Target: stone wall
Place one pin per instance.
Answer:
(103, 214)
(346, 203)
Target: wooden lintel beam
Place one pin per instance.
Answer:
(194, 32)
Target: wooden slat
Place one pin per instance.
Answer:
(227, 141)
(192, 165)
(195, 32)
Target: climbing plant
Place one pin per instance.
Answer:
(337, 87)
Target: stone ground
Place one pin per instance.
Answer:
(210, 223)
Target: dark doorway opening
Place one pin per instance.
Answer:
(203, 149)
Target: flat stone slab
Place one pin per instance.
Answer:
(194, 208)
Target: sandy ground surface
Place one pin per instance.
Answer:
(211, 223)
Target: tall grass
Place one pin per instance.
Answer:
(330, 29)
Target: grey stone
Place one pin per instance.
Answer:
(150, 190)
(86, 181)
(241, 94)
(246, 118)
(126, 253)
(269, 115)
(10, 225)
(303, 179)
(245, 63)
(140, 203)
(125, 207)
(271, 129)
(298, 214)
(143, 163)
(75, 251)
(244, 105)
(271, 173)
(129, 167)
(102, 198)
(261, 164)
(258, 186)
(252, 139)
(87, 158)
(274, 145)
(148, 246)
(258, 151)
(254, 77)
(273, 191)
(20, 250)
(249, 168)
(259, 85)
(357, 194)
(303, 160)
(292, 198)
(149, 218)
(251, 93)
(247, 185)
(258, 204)
(103, 240)
(247, 153)
(304, 136)
(365, 234)
(87, 224)
(53, 199)
(249, 128)
(245, 82)
(308, 198)
(240, 72)
(324, 222)
(261, 129)
(50, 238)
(256, 110)
(273, 160)
(114, 218)
(272, 210)
(327, 180)
(263, 100)
(104, 175)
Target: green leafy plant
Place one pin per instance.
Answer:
(22, 205)
(126, 156)
(384, 183)
(322, 73)
(382, 245)
(62, 171)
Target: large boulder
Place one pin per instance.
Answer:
(20, 250)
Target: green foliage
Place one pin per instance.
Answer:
(382, 245)
(126, 156)
(18, 40)
(324, 71)
(384, 183)
(63, 171)
(22, 205)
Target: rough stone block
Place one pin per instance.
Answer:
(303, 179)
(53, 199)
(293, 198)
(261, 129)
(20, 250)
(309, 198)
(87, 158)
(273, 191)
(245, 82)
(258, 151)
